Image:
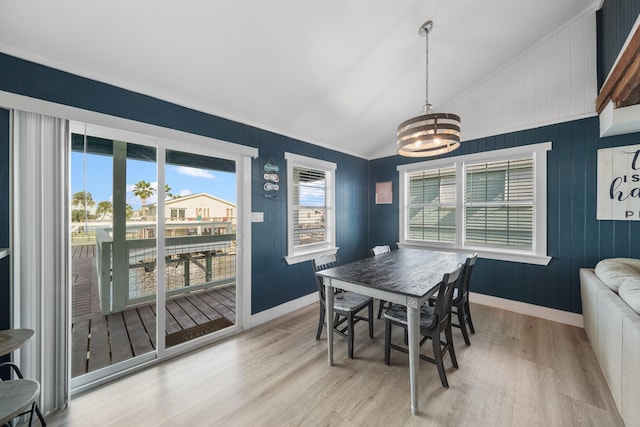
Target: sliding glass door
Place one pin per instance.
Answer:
(153, 249)
(200, 245)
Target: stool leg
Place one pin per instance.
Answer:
(31, 413)
(40, 417)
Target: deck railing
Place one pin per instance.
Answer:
(192, 262)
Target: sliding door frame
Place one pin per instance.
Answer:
(165, 138)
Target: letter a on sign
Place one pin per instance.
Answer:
(619, 183)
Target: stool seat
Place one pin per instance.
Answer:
(17, 397)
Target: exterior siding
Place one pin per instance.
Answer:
(198, 205)
(575, 239)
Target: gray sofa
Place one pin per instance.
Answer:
(613, 328)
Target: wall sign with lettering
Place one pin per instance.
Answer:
(619, 183)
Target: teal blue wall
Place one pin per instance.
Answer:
(273, 281)
(575, 238)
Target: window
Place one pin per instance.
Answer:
(498, 205)
(493, 203)
(432, 208)
(177, 214)
(310, 210)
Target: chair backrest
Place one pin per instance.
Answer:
(463, 287)
(377, 250)
(322, 263)
(442, 309)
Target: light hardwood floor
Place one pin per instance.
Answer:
(518, 371)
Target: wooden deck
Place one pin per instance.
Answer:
(99, 341)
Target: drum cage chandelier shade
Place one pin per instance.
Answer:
(429, 134)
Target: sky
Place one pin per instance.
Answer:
(182, 180)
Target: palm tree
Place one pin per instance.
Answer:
(104, 208)
(167, 192)
(77, 215)
(129, 211)
(143, 190)
(82, 198)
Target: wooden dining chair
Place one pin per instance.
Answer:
(460, 304)
(346, 305)
(434, 321)
(375, 251)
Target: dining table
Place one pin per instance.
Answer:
(405, 276)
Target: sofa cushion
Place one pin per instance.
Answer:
(629, 291)
(615, 271)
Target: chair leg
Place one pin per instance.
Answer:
(371, 320)
(350, 331)
(462, 321)
(387, 341)
(380, 308)
(437, 357)
(320, 322)
(452, 351)
(468, 316)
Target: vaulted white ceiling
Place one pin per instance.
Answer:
(337, 73)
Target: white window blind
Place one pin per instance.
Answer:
(309, 206)
(432, 205)
(499, 203)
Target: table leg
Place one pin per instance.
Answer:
(329, 319)
(413, 322)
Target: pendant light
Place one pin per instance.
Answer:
(429, 134)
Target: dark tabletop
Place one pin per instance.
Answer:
(411, 272)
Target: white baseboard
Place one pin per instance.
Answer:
(282, 309)
(546, 313)
(552, 314)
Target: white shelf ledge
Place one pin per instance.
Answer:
(4, 252)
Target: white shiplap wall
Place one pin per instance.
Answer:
(554, 81)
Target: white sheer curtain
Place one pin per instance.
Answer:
(39, 250)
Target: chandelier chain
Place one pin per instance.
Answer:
(427, 106)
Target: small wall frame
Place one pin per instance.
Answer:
(384, 193)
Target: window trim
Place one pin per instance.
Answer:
(538, 255)
(296, 256)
